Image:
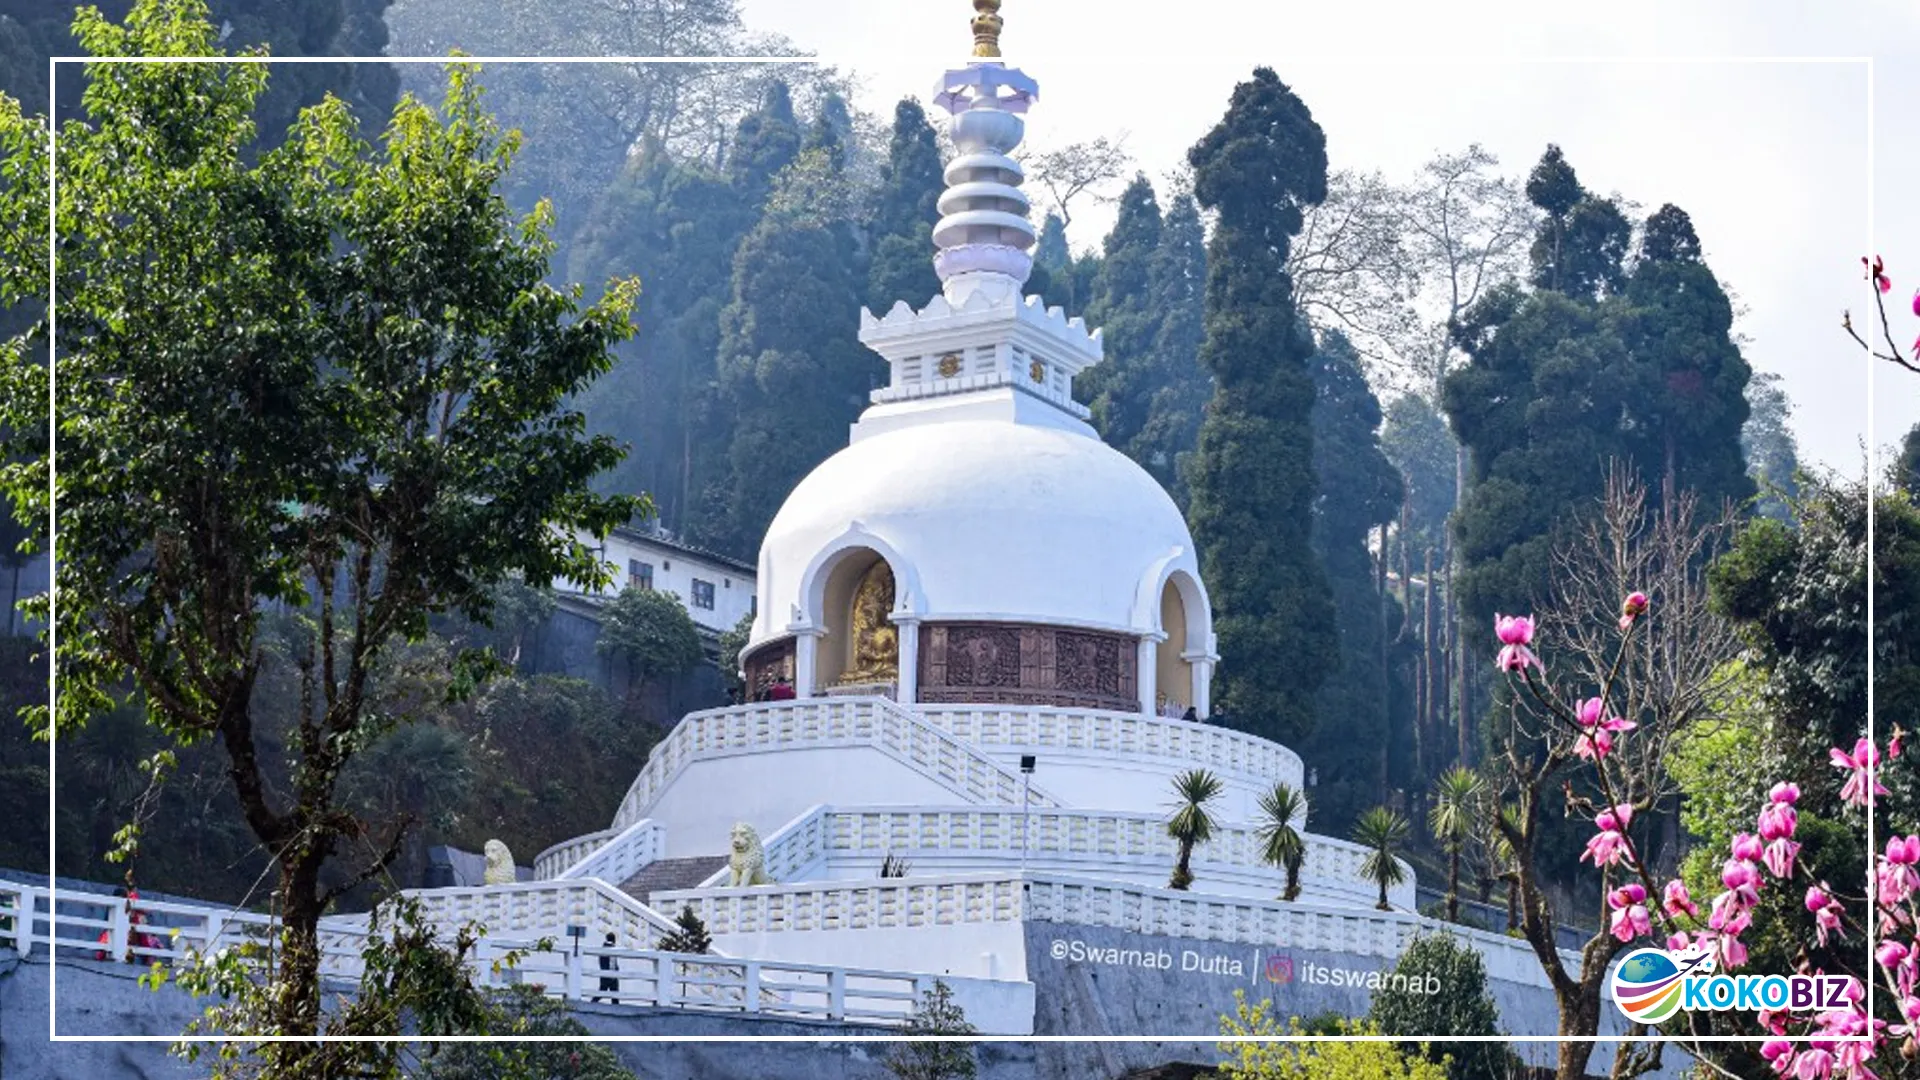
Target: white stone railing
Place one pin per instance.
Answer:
(167, 933)
(532, 909)
(812, 844)
(900, 733)
(643, 977)
(1096, 837)
(625, 855)
(854, 905)
(1103, 731)
(555, 861)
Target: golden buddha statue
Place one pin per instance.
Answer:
(876, 643)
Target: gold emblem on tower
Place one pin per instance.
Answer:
(986, 27)
(1037, 372)
(950, 365)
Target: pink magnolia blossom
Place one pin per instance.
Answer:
(1593, 746)
(1826, 912)
(1861, 786)
(1634, 606)
(1779, 857)
(1746, 847)
(1733, 951)
(1589, 711)
(1893, 744)
(1877, 271)
(1890, 953)
(1676, 901)
(1629, 911)
(1631, 922)
(1777, 821)
(1779, 1054)
(1515, 633)
(1813, 1063)
(1916, 301)
(1610, 846)
(1896, 873)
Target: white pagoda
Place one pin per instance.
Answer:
(982, 654)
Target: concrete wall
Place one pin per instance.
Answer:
(1092, 980)
(981, 950)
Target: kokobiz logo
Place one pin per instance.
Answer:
(1651, 985)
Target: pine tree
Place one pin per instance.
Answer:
(1252, 477)
(689, 934)
(1767, 442)
(936, 1013)
(1181, 384)
(792, 373)
(1360, 490)
(900, 229)
(1118, 390)
(766, 141)
(1691, 405)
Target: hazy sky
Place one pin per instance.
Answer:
(1769, 159)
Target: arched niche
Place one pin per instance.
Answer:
(860, 645)
(1183, 664)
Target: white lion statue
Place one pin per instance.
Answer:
(500, 868)
(747, 859)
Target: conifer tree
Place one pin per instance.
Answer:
(1180, 385)
(1252, 478)
(689, 934)
(1360, 490)
(900, 230)
(1118, 389)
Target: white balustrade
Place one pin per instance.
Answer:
(875, 904)
(555, 861)
(643, 977)
(1104, 731)
(531, 909)
(816, 722)
(815, 842)
(624, 855)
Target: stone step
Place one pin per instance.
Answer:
(665, 875)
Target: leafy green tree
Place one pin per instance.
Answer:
(1252, 478)
(676, 226)
(518, 1013)
(1282, 810)
(1381, 831)
(651, 632)
(936, 1013)
(900, 228)
(1192, 822)
(1768, 445)
(33, 30)
(1414, 436)
(216, 469)
(689, 934)
(1359, 491)
(1407, 1005)
(1271, 1058)
(1453, 821)
(732, 643)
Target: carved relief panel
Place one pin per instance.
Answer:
(1013, 663)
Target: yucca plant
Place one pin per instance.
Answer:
(893, 866)
(1191, 822)
(1381, 831)
(1456, 801)
(1281, 810)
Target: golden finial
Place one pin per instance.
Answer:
(986, 27)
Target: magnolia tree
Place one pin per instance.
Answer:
(1596, 731)
(1600, 725)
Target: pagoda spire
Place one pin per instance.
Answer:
(983, 236)
(986, 28)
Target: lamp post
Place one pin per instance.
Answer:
(1027, 762)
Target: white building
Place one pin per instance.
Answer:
(992, 624)
(717, 591)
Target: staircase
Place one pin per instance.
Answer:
(663, 875)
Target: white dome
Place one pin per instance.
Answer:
(991, 519)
